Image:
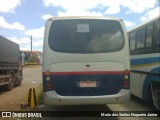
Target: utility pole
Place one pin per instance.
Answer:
(31, 44)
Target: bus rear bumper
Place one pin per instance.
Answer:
(52, 98)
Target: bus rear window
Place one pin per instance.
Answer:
(86, 36)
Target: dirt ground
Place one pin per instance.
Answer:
(11, 100)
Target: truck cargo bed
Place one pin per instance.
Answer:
(9, 51)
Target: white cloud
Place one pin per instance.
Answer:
(129, 24)
(45, 17)
(8, 5)
(12, 26)
(36, 33)
(69, 4)
(151, 14)
(154, 13)
(25, 47)
(113, 7)
(143, 19)
(138, 6)
(21, 41)
(113, 10)
(25, 43)
(38, 43)
(79, 7)
(37, 38)
(80, 13)
(82, 7)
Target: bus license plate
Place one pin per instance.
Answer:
(87, 83)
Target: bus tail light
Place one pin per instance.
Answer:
(125, 84)
(49, 86)
(47, 75)
(127, 71)
(47, 72)
(126, 77)
(48, 78)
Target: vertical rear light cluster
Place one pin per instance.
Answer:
(126, 81)
(48, 82)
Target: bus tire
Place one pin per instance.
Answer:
(156, 96)
(9, 86)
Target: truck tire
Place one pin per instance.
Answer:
(19, 78)
(19, 83)
(156, 96)
(9, 86)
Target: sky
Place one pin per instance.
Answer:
(19, 19)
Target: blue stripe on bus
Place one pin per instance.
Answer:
(150, 75)
(144, 61)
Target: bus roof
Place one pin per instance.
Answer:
(84, 17)
(136, 27)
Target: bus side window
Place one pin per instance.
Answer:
(132, 38)
(149, 36)
(140, 40)
(158, 38)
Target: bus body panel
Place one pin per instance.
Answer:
(52, 98)
(87, 66)
(145, 70)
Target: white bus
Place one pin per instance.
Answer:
(85, 61)
(144, 43)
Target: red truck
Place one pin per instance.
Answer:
(10, 64)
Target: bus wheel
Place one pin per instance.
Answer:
(156, 98)
(9, 86)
